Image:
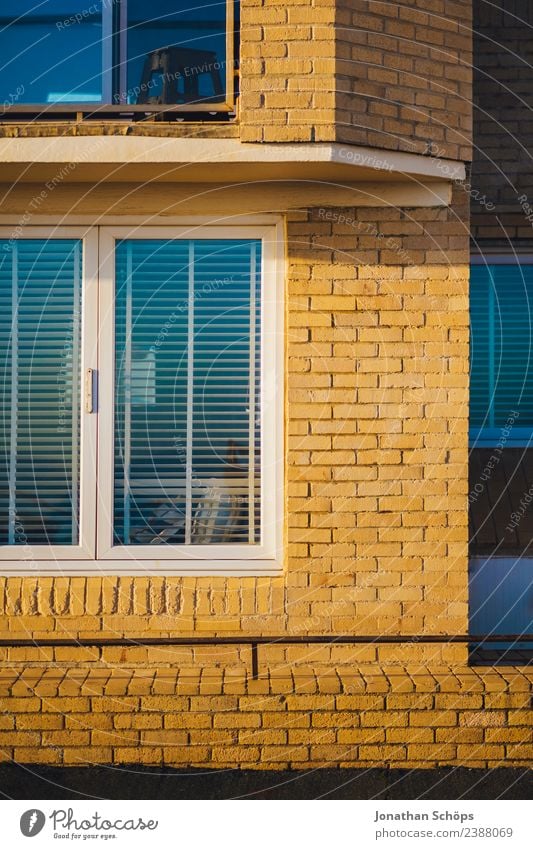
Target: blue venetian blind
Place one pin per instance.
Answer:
(501, 385)
(40, 308)
(187, 430)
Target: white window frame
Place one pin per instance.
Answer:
(96, 554)
(11, 555)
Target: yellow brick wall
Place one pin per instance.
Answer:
(376, 464)
(288, 63)
(377, 420)
(376, 520)
(389, 75)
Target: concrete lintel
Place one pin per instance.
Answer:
(166, 199)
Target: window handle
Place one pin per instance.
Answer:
(90, 394)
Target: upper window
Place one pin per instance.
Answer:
(138, 401)
(501, 456)
(501, 389)
(168, 55)
(501, 406)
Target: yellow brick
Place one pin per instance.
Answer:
(382, 753)
(87, 755)
(248, 720)
(241, 754)
(37, 754)
(138, 755)
(434, 752)
(66, 738)
(19, 738)
(352, 736)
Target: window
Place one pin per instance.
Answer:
(501, 403)
(138, 399)
(501, 438)
(168, 55)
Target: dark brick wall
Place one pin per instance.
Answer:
(502, 171)
(404, 75)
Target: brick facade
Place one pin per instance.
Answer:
(376, 468)
(376, 543)
(391, 75)
(288, 63)
(375, 520)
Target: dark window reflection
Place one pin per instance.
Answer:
(176, 52)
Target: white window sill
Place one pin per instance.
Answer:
(151, 568)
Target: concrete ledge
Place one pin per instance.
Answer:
(127, 158)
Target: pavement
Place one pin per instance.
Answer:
(24, 781)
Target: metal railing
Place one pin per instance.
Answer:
(255, 641)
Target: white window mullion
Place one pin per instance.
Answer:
(107, 52)
(190, 396)
(127, 394)
(14, 398)
(230, 50)
(122, 96)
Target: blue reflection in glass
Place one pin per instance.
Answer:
(52, 52)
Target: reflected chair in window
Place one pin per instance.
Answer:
(219, 514)
(173, 75)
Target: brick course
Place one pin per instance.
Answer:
(398, 717)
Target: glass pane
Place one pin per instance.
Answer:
(500, 487)
(501, 306)
(187, 428)
(40, 304)
(51, 51)
(176, 52)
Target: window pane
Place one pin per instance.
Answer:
(501, 346)
(40, 303)
(176, 52)
(187, 430)
(51, 51)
